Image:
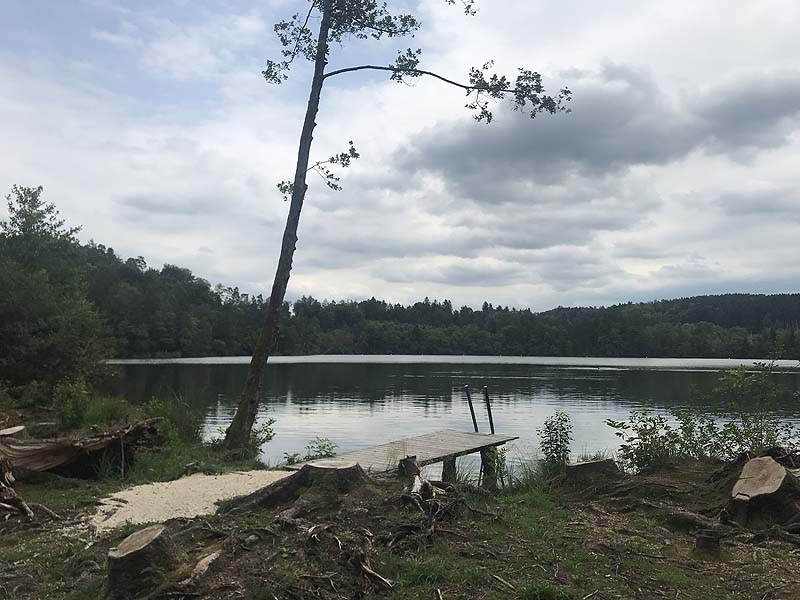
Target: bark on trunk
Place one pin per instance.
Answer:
(140, 562)
(766, 490)
(336, 480)
(238, 433)
(580, 472)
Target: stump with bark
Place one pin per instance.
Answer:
(339, 479)
(765, 489)
(138, 565)
(594, 468)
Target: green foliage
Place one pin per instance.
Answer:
(76, 408)
(182, 422)
(49, 329)
(748, 420)
(319, 447)
(169, 312)
(648, 440)
(555, 437)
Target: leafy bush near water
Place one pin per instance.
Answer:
(319, 447)
(748, 421)
(77, 409)
(555, 437)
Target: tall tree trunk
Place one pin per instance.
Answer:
(238, 433)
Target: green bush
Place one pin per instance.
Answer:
(555, 437)
(748, 420)
(319, 447)
(76, 408)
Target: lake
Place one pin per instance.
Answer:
(359, 401)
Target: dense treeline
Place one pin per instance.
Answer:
(169, 312)
(65, 305)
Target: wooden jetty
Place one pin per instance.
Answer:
(440, 446)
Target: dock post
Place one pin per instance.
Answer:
(489, 468)
(471, 408)
(488, 408)
(449, 469)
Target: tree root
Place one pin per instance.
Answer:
(776, 533)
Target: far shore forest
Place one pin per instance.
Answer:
(146, 312)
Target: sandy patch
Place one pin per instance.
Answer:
(185, 497)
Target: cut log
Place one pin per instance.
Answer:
(200, 568)
(49, 454)
(19, 432)
(765, 489)
(138, 565)
(338, 479)
(594, 468)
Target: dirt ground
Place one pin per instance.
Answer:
(601, 539)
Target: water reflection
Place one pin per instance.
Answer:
(358, 404)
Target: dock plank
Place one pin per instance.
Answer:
(428, 448)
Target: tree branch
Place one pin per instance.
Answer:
(296, 49)
(415, 72)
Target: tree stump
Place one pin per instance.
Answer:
(765, 488)
(594, 468)
(140, 562)
(707, 540)
(337, 478)
(20, 432)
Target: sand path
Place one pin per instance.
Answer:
(186, 497)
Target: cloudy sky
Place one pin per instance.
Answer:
(677, 173)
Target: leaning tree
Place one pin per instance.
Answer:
(339, 21)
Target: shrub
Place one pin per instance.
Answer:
(748, 420)
(648, 440)
(555, 437)
(182, 422)
(319, 447)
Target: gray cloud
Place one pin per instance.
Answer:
(621, 118)
(458, 273)
(783, 203)
(156, 207)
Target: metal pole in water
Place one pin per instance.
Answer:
(471, 408)
(488, 407)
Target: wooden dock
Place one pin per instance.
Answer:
(429, 448)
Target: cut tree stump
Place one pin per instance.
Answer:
(339, 479)
(20, 432)
(707, 540)
(765, 488)
(593, 468)
(140, 562)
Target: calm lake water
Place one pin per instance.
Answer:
(359, 401)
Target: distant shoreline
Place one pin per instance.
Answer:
(553, 361)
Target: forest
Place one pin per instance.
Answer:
(171, 313)
(70, 305)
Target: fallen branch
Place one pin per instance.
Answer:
(50, 513)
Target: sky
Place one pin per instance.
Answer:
(677, 172)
